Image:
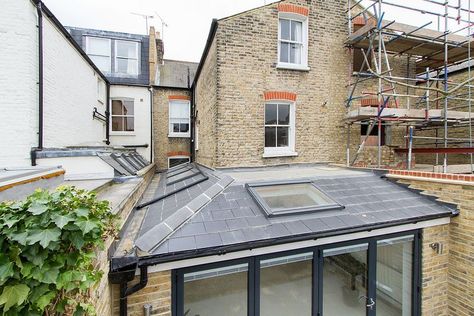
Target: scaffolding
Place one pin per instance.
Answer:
(422, 99)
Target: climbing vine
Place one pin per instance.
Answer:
(47, 251)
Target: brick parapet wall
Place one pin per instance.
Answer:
(102, 294)
(448, 291)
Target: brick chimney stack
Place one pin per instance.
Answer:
(156, 51)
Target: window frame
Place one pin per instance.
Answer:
(178, 157)
(88, 46)
(269, 152)
(116, 57)
(124, 133)
(253, 272)
(171, 133)
(281, 212)
(304, 33)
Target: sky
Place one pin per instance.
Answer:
(188, 21)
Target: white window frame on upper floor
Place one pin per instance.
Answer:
(288, 151)
(116, 57)
(178, 157)
(171, 133)
(304, 50)
(133, 116)
(88, 52)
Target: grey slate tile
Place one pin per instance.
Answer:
(182, 243)
(297, 227)
(257, 221)
(237, 223)
(216, 226)
(316, 225)
(209, 240)
(224, 214)
(192, 229)
(232, 237)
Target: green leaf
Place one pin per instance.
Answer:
(62, 220)
(14, 295)
(82, 212)
(6, 270)
(77, 240)
(37, 208)
(49, 276)
(20, 238)
(11, 221)
(44, 237)
(86, 225)
(44, 300)
(26, 269)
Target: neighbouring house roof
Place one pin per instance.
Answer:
(79, 35)
(176, 74)
(218, 214)
(68, 36)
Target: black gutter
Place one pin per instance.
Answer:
(122, 278)
(210, 38)
(39, 9)
(221, 250)
(151, 123)
(107, 115)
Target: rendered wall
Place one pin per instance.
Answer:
(142, 133)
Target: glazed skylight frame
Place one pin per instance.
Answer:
(269, 211)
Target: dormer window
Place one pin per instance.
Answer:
(126, 57)
(292, 41)
(113, 56)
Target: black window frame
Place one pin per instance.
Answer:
(253, 280)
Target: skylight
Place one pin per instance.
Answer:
(284, 198)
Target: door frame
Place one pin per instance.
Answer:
(253, 280)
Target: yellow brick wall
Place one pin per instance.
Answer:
(458, 253)
(165, 146)
(157, 293)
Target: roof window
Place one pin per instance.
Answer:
(284, 198)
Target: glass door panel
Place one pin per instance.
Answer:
(286, 285)
(394, 276)
(216, 292)
(345, 280)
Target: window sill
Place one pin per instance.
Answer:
(122, 133)
(292, 67)
(280, 154)
(173, 135)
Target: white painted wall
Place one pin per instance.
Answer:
(141, 135)
(70, 87)
(18, 81)
(70, 94)
(80, 168)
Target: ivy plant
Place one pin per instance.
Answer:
(47, 249)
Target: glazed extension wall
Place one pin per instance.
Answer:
(448, 277)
